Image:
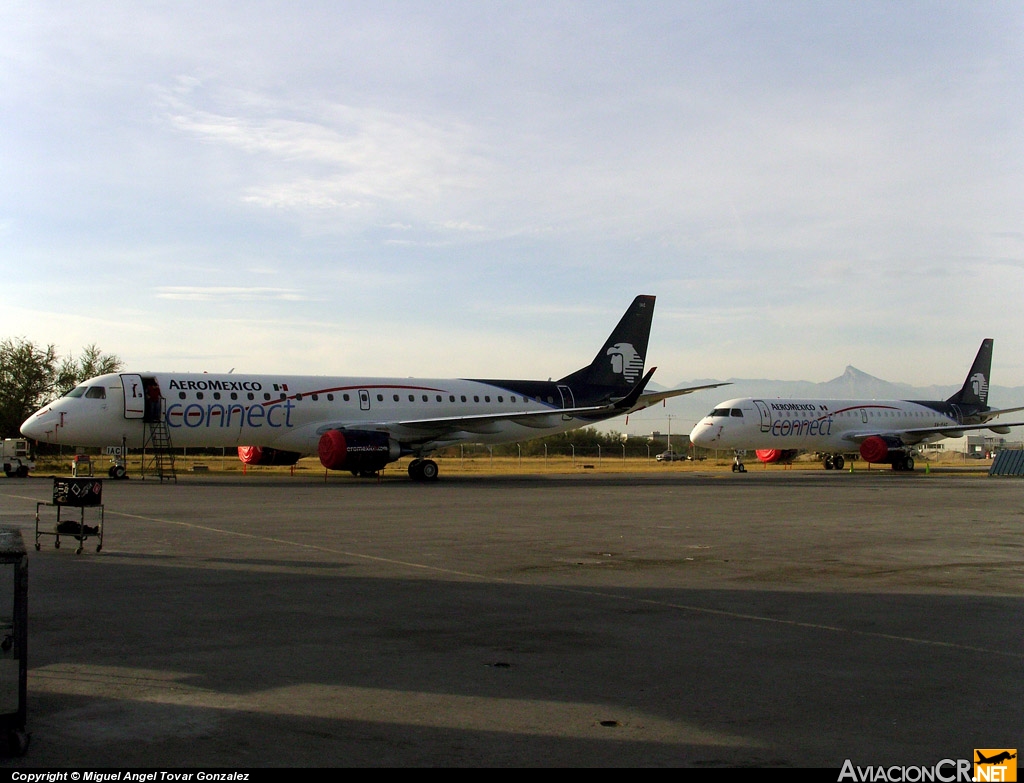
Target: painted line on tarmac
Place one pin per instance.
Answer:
(579, 591)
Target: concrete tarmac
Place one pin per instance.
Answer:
(776, 618)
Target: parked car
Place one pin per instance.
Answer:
(670, 456)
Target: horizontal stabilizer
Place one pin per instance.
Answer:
(646, 400)
(999, 412)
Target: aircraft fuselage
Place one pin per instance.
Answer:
(291, 412)
(821, 425)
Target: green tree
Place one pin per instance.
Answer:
(91, 363)
(31, 375)
(26, 379)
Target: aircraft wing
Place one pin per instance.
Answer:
(444, 428)
(457, 427)
(917, 434)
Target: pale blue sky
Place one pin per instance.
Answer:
(480, 188)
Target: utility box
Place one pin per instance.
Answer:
(13, 639)
(77, 492)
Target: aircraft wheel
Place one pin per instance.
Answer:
(838, 463)
(828, 462)
(428, 470)
(414, 470)
(908, 464)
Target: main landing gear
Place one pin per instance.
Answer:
(737, 464)
(833, 461)
(903, 462)
(423, 470)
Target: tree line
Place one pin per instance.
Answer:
(31, 375)
(588, 442)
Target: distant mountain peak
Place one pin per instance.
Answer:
(851, 373)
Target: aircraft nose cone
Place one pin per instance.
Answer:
(38, 427)
(701, 435)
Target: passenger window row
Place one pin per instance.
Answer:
(345, 397)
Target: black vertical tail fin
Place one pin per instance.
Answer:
(975, 388)
(619, 364)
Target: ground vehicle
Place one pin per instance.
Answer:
(670, 456)
(17, 459)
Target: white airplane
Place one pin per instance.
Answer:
(882, 431)
(355, 424)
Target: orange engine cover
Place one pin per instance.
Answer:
(776, 455)
(356, 450)
(262, 455)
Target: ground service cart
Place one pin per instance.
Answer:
(75, 493)
(16, 457)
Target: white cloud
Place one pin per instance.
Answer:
(830, 180)
(225, 293)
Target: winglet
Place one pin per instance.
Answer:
(627, 402)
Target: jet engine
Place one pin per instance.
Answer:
(776, 455)
(262, 455)
(883, 449)
(357, 450)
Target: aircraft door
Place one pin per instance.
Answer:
(134, 396)
(364, 400)
(568, 401)
(766, 415)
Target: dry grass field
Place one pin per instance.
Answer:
(483, 464)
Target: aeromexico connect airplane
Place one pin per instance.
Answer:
(882, 431)
(354, 424)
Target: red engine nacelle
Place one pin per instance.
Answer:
(880, 449)
(357, 450)
(262, 455)
(776, 455)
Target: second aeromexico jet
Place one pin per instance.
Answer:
(883, 431)
(356, 424)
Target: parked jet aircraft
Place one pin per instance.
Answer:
(883, 431)
(357, 424)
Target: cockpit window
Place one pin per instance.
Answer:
(736, 413)
(78, 391)
(720, 412)
(96, 393)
